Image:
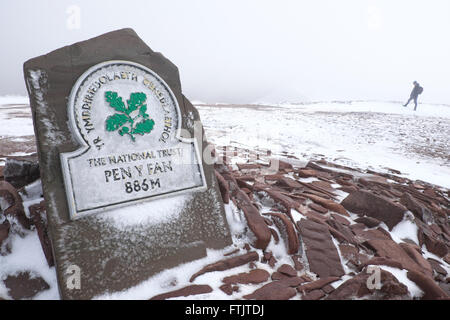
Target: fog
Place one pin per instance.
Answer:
(255, 51)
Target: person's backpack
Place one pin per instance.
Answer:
(420, 90)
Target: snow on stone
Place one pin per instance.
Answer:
(400, 274)
(27, 255)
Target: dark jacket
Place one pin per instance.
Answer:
(415, 91)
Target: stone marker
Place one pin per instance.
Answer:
(127, 189)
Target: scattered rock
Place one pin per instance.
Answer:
(392, 251)
(366, 203)
(288, 183)
(4, 231)
(275, 236)
(21, 170)
(418, 258)
(437, 267)
(287, 231)
(416, 207)
(287, 270)
(322, 254)
(286, 202)
(314, 295)
(307, 173)
(368, 221)
(227, 264)
(382, 261)
(12, 206)
(184, 292)
(340, 219)
(318, 208)
(248, 166)
(298, 265)
(24, 285)
(431, 290)
(434, 244)
(276, 290)
(357, 287)
(229, 289)
(282, 165)
(254, 220)
(328, 289)
(318, 284)
(254, 276)
(329, 204)
(223, 187)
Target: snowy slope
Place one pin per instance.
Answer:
(376, 135)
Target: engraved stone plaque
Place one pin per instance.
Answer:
(127, 189)
(127, 120)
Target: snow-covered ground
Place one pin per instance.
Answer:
(363, 134)
(377, 135)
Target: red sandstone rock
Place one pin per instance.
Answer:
(391, 250)
(318, 284)
(184, 292)
(227, 264)
(365, 235)
(368, 221)
(418, 258)
(229, 289)
(366, 203)
(320, 250)
(4, 231)
(223, 187)
(318, 208)
(298, 265)
(254, 220)
(314, 295)
(275, 236)
(382, 261)
(340, 219)
(436, 265)
(276, 290)
(248, 166)
(287, 270)
(341, 232)
(329, 204)
(282, 199)
(435, 245)
(12, 203)
(357, 287)
(254, 276)
(353, 255)
(24, 285)
(431, 290)
(282, 165)
(416, 207)
(288, 183)
(287, 231)
(307, 173)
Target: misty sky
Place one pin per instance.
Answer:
(250, 51)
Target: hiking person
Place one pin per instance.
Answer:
(414, 94)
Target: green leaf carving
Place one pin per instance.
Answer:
(144, 127)
(137, 99)
(115, 121)
(142, 111)
(122, 121)
(115, 101)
